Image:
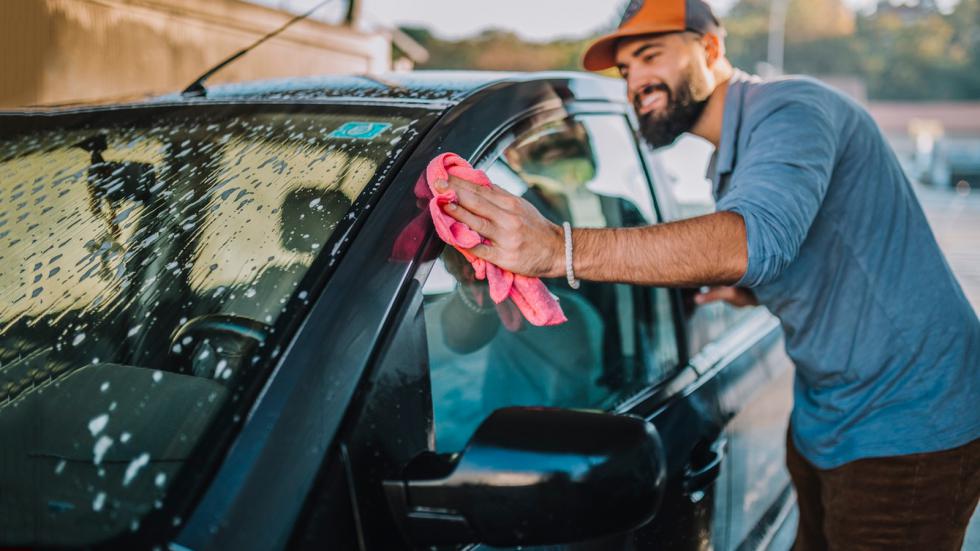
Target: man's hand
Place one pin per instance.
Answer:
(736, 296)
(522, 240)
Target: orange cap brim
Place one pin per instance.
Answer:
(601, 54)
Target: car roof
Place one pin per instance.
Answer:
(439, 89)
(421, 86)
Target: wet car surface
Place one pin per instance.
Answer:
(228, 323)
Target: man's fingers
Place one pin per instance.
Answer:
(485, 252)
(479, 203)
(715, 294)
(705, 298)
(480, 200)
(476, 223)
(735, 296)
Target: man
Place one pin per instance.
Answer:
(816, 219)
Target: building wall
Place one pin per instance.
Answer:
(938, 142)
(82, 51)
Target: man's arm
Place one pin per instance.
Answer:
(707, 250)
(772, 199)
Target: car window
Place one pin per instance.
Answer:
(686, 165)
(618, 338)
(145, 267)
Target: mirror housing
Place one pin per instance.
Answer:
(532, 476)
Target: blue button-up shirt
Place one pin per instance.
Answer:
(886, 345)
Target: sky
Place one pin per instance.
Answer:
(537, 20)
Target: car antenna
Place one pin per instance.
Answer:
(197, 89)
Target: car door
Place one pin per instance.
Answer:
(742, 348)
(620, 351)
(625, 348)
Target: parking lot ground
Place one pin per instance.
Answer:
(955, 218)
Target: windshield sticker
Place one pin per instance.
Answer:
(360, 130)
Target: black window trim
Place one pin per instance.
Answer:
(661, 392)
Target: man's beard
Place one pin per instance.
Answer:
(681, 113)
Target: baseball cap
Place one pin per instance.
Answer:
(650, 17)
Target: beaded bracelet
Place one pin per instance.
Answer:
(569, 271)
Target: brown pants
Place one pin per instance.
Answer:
(922, 501)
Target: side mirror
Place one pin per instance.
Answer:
(533, 476)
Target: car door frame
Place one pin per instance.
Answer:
(697, 381)
(750, 349)
(709, 401)
(665, 403)
(747, 355)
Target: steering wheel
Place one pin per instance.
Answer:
(216, 345)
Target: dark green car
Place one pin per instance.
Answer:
(227, 323)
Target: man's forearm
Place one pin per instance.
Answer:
(708, 250)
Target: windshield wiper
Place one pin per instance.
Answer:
(197, 89)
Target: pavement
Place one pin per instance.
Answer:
(955, 219)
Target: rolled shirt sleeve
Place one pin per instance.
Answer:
(778, 185)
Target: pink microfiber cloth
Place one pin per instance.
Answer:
(528, 293)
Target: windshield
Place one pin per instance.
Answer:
(148, 268)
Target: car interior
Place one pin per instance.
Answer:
(484, 357)
(145, 272)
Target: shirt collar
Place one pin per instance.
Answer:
(724, 161)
